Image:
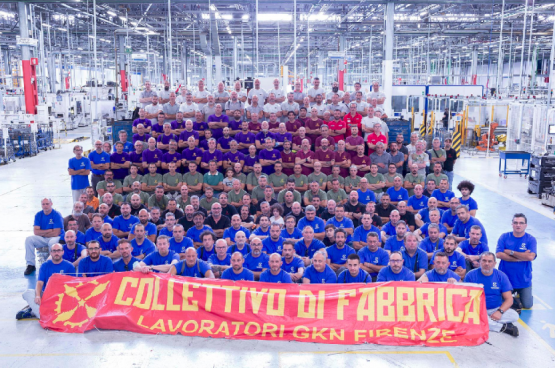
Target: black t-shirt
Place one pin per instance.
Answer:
(229, 211)
(271, 203)
(320, 211)
(384, 212)
(135, 212)
(186, 223)
(178, 213)
(377, 221)
(286, 210)
(223, 224)
(409, 219)
(200, 209)
(426, 193)
(357, 208)
(451, 156)
(114, 211)
(326, 215)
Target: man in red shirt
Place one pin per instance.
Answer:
(353, 118)
(324, 134)
(287, 158)
(326, 156)
(254, 124)
(353, 141)
(292, 124)
(342, 158)
(313, 125)
(376, 137)
(337, 127)
(298, 139)
(303, 118)
(305, 158)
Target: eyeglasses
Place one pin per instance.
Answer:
(56, 250)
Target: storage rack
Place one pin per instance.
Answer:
(542, 172)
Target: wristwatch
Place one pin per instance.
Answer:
(512, 252)
(500, 310)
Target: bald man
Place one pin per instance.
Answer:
(275, 273)
(191, 266)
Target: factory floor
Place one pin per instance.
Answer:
(24, 343)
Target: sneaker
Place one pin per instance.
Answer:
(29, 270)
(25, 313)
(510, 329)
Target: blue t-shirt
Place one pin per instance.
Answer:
(292, 267)
(204, 254)
(386, 274)
(110, 245)
(124, 225)
(317, 224)
(194, 233)
(53, 220)
(199, 269)
(120, 265)
(418, 203)
(256, 264)
(79, 181)
(108, 220)
(443, 197)
(361, 234)
(455, 260)
(244, 275)
(269, 246)
(339, 256)
(102, 266)
(398, 195)
(470, 202)
(418, 261)
(345, 277)
(99, 159)
(297, 234)
(260, 232)
(80, 238)
(424, 229)
(425, 214)
(433, 276)
(72, 255)
(429, 247)
(463, 230)
(391, 230)
(469, 250)
(49, 268)
(379, 257)
(150, 229)
(449, 218)
(393, 244)
(230, 233)
(181, 247)
(127, 147)
(494, 285)
(214, 260)
(234, 248)
(365, 197)
(345, 223)
(281, 278)
(308, 251)
(146, 248)
(92, 234)
(156, 259)
(166, 232)
(325, 277)
(519, 273)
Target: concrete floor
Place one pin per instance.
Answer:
(24, 343)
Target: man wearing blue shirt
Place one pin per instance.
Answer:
(291, 231)
(462, 226)
(256, 261)
(179, 243)
(108, 243)
(207, 248)
(127, 260)
(396, 243)
(308, 245)
(418, 201)
(229, 233)
(48, 228)
(449, 217)
(395, 271)
(432, 242)
(390, 228)
(517, 250)
(141, 245)
(353, 273)
(423, 215)
(319, 272)
(95, 264)
(498, 291)
(56, 264)
(150, 229)
(342, 222)
(237, 272)
(273, 243)
(220, 261)
(275, 273)
(100, 162)
(435, 218)
(291, 263)
(194, 232)
(466, 188)
(73, 252)
(397, 193)
(361, 233)
(191, 266)
(415, 259)
(443, 195)
(123, 223)
(472, 248)
(441, 271)
(162, 259)
(373, 258)
(240, 245)
(79, 168)
(338, 253)
(457, 262)
(316, 223)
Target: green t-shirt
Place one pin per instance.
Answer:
(437, 179)
(252, 179)
(172, 181)
(375, 180)
(340, 178)
(258, 193)
(300, 181)
(323, 196)
(242, 178)
(208, 205)
(414, 179)
(296, 196)
(195, 179)
(389, 178)
(277, 181)
(182, 204)
(152, 180)
(338, 196)
(436, 154)
(117, 199)
(128, 181)
(213, 179)
(161, 203)
(102, 185)
(354, 182)
(144, 197)
(232, 197)
(320, 178)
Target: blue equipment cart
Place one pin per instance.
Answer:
(514, 155)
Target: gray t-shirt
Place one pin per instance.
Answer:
(242, 93)
(238, 105)
(208, 110)
(313, 92)
(385, 159)
(262, 95)
(298, 96)
(258, 109)
(146, 94)
(339, 93)
(164, 95)
(269, 108)
(340, 106)
(277, 92)
(398, 157)
(223, 94)
(171, 110)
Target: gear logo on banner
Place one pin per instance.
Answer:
(71, 306)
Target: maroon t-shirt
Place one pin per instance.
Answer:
(325, 157)
(330, 139)
(354, 141)
(254, 127)
(298, 140)
(340, 157)
(314, 124)
(294, 126)
(356, 160)
(288, 158)
(300, 154)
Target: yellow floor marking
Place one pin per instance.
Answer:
(533, 333)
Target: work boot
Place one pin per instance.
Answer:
(29, 270)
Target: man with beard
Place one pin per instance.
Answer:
(187, 220)
(83, 221)
(141, 246)
(395, 271)
(237, 272)
(127, 260)
(194, 232)
(220, 261)
(472, 247)
(95, 264)
(172, 208)
(441, 271)
(256, 261)
(354, 209)
(414, 258)
(432, 243)
(108, 242)
(338, 252)
(372, 257)
(191, 266)
(291, 263)
(123, 223)
(149, 228)
(360, 235)
(319, 272)
(160, 260)
(275, 273)
(73, 250)
(412, 179)
(136, 202)
(179, 243)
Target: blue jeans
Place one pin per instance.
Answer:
(526, 297)
(450, 176)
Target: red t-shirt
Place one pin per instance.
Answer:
(373, 138)
(294, 126)
(300, 154)
(352, 121)
(298, 140)
(273, 125)
(254, 127)
(335, 126)
(364, 160)
(288, 158)
(340, 157)
(354, 141)
(327, 156)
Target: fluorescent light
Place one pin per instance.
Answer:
(112, 13)
(123, 18)
(274, 17)
(245, 17)
(227, 16)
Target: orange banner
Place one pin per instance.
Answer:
(391, 313)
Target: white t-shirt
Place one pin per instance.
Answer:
(361, 106)
(199, 94)
(262, 95)
(277, 92)
(241, 94)
(193, 107)
(354, 95)
(269, 108)
(313, 92)
(180, 99)
(321, 109)
(286, 106)
(154, 109)
(376, 95)
(369, 123)
(339, 106)
(165, 95)
(339, 93)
